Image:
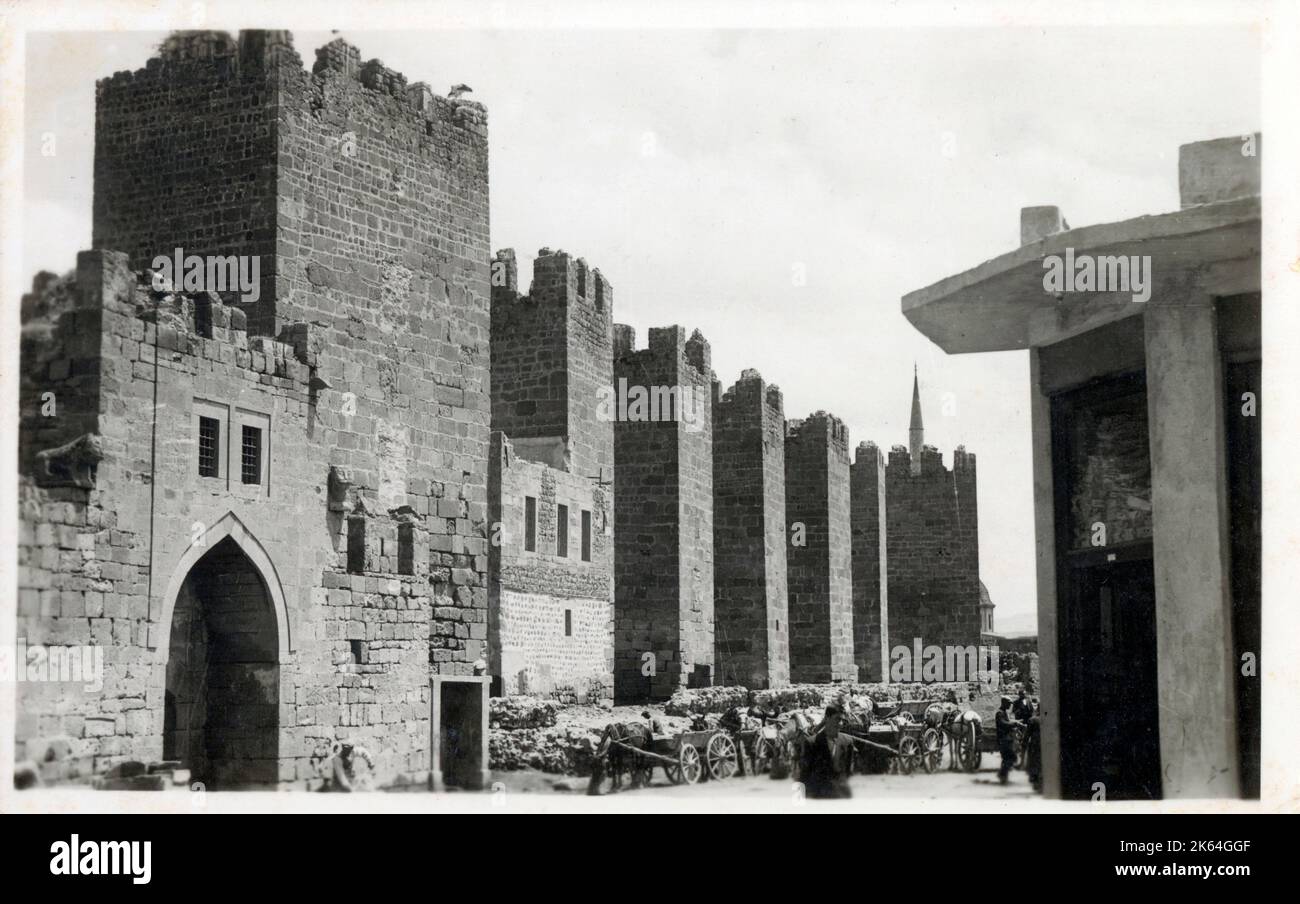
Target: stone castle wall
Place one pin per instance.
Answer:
(663, 520)
(749, 539)
(365, 362)
(551, 624)
(870, 563)
(933, 550)
(820, 561)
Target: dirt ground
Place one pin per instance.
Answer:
(941, 785)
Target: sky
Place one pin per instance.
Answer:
(779, 190)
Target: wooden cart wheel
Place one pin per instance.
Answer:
(722, 756)
(968, 751)
(909, 754)
(674, 772)
(688, 763)
(932, 744)
(645, 771)
(763, 755)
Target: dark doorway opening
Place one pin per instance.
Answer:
(461, 746)
(1244, 498)
(221, 716)
(1109, 690)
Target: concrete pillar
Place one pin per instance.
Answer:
(1049, 697)
(1198, 741)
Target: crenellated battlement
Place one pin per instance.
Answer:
(185, 57)
(202, 325)
(868, 453)
(900, 462)
(751, 389)
(667, 346)
(819, 427)
(558, 279)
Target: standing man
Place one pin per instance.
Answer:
(1006, 733)
(828, 759)
(1034, 752)
(1022, 710)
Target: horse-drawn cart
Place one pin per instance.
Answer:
(687, 757)
(692, 756)
(897, 743)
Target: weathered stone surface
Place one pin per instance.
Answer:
(369, 219)
(750, 588)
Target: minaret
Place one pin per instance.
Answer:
(916, 431)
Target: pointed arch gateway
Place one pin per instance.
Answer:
(224, 633)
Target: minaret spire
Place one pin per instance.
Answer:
(916, 430)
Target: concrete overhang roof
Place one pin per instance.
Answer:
(1002, 305)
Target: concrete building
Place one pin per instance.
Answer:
(1144, 364)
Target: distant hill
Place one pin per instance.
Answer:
(1016, 624)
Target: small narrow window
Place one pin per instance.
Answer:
(250, 464)
(406, 549)
(530, 524)
(209, 447)
(356, 545)
(568, 622)
(561, 530)
(586, 535)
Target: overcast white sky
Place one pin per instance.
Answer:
(698, 169)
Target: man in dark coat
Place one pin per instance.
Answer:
(1006, 724)
(828, 760)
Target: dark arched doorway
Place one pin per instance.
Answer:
(221, 713)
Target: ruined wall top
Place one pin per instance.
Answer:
(751, 386)
(272, 52)
(667, 345)
(558, 277)
(820, 427)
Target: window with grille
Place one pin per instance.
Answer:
(250, 465)
(561, 530)
(209, 447)
(586, 536)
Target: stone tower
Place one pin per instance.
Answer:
(283, 497)
(932, 543)
(663, 514)
(870, 563)
(551, 577)
(819, 554)
(552, 359)
(749, 543)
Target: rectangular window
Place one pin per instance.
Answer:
(209, 447)
(356, 545)
(530, 524)
(568, 622)
(406, 548)
(586, 536)
(561, 530)
(250, 463)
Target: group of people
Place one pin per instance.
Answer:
(1017, 725)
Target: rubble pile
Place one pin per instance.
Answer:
(566, 750)
(706, 700)
(514, 713)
